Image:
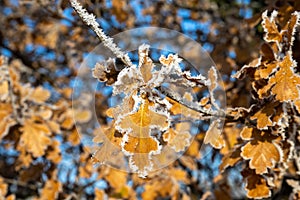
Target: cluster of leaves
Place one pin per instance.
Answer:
(270, 138)
(42, 155)
(151, 126)
(266, 144)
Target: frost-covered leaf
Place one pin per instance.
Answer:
(285, 83)
(145, 63)
(257, 187)
(283, 38)
(106, 71)
(129, 79)
(110, 149)
(261, 150)
(263, 116)
(270, 27)
(138, 142)
(140, 151)
(139, 123)
(178, 138)
(213, 135)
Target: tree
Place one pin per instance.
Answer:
(255, 139)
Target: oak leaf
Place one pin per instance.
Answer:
(39, 95)
(110, 149)
(230, 159)
(257, 187)
(99, 194)
(139, 123)
(285, 83)
(263, 116)
(297, 105)
(193, 149)
(178, 138)
(140, 151)
(24, 159)
(231, 135)
(213, 135)
(35, 137)
(261, 150)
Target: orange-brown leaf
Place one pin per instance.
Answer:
(51, 190)
(138, 123)
(285, 83)
(35, 137)
(262, 151)
(213, 135)
(6, 120)
(178, 138)
(257, 187)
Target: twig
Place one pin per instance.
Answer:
(90, 20)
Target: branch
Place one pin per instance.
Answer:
(90, 20)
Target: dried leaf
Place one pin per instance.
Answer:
(3, 90)
(35, 137)
(285, 83)
(140, 151)
(39, 95)
(53, 154)
(119, 9)
(74, 138)
(51, 189)
(106, 72)
(230, 159)
(82, 116)
(213, 135)
(257, 187)
(99, 194)
(117, 179)
(139, 123)
(263, 116)
(262, 151)
(270, 27)
(162, 187)
(110, 149)
(145, 63)
(178, 138)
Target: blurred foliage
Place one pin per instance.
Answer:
(42, 157)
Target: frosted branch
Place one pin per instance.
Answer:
(90, 20)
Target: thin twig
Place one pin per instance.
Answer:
(90, 20)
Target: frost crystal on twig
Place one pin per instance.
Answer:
(90, 20)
